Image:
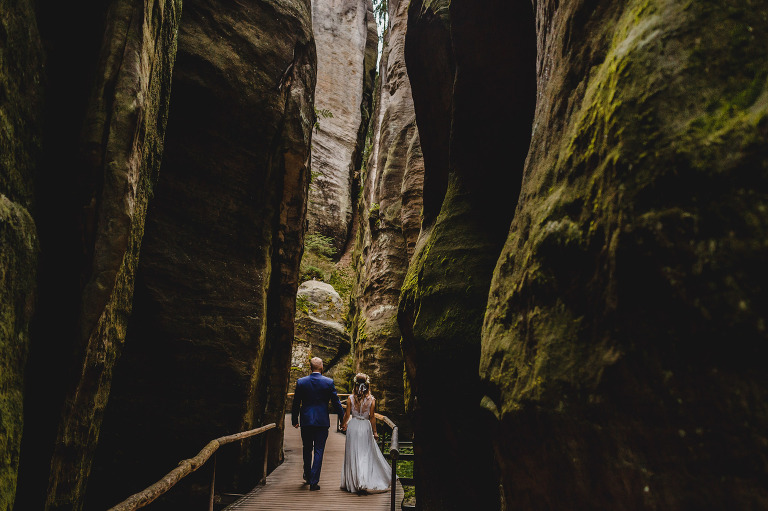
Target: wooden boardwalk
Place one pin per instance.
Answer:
(284, 489)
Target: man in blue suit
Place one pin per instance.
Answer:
(311, 398)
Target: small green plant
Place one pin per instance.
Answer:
(324, 113)
(311, 272)
(302, 304)
(342, 279)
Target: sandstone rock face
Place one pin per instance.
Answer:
(208, 350)
(345, 34)
(320, 330)
(390, 218)
(627, 311)
(91, 189)
(124, 132)
(474, 91)
(20, 133)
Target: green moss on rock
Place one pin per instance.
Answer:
(634, 255)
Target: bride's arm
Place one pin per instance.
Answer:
(346, 413)
(373, 418)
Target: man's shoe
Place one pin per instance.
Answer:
(314, 487)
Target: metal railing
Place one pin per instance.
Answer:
(188, 466)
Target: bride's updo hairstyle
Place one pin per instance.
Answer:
(362, 385)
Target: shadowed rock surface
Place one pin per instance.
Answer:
(345, 34)
(123, 140)
(474, 91)
(21, 59)
(92, 188)
(209, 341)
(390, 217)
(624, 345)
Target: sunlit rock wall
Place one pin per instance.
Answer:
(390, 218)
(345, 34)
(472, 68)
(208, 349)
(624, 346)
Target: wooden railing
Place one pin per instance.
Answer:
(186, 467)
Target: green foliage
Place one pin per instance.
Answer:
(324, 113)
(381, 13)
(319, 245)
(302, 304)
(310, 272)
(342, 278)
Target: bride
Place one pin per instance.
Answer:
(365, 469)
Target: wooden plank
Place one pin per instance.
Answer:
(285, 491)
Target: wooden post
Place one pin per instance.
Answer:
(213, 484)
(394, 451)
(266, 459)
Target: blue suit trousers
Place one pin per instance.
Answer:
(313, 439)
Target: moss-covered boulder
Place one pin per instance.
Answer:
(20, 131)
(209, 341)
(320, 332)
(624, 345)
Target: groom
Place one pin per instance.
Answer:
(311, 397)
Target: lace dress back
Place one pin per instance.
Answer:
(361, 410)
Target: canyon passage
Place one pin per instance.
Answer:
(538, 226)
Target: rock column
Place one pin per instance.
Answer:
(208, 348)
(474, 91)
(624, 346)
(390, 218)
(345, 34)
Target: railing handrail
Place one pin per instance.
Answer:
(185, 468)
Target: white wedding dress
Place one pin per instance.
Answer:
(365, 468)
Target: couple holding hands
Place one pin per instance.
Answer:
(365, 469)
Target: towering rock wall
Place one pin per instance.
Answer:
(91, 188)
(474, 90)
(345, 32)
(208, 348)
(21, 59)
(624, 346)
(390, 218)
(123, 143)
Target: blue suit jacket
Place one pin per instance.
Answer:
(311, 398)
